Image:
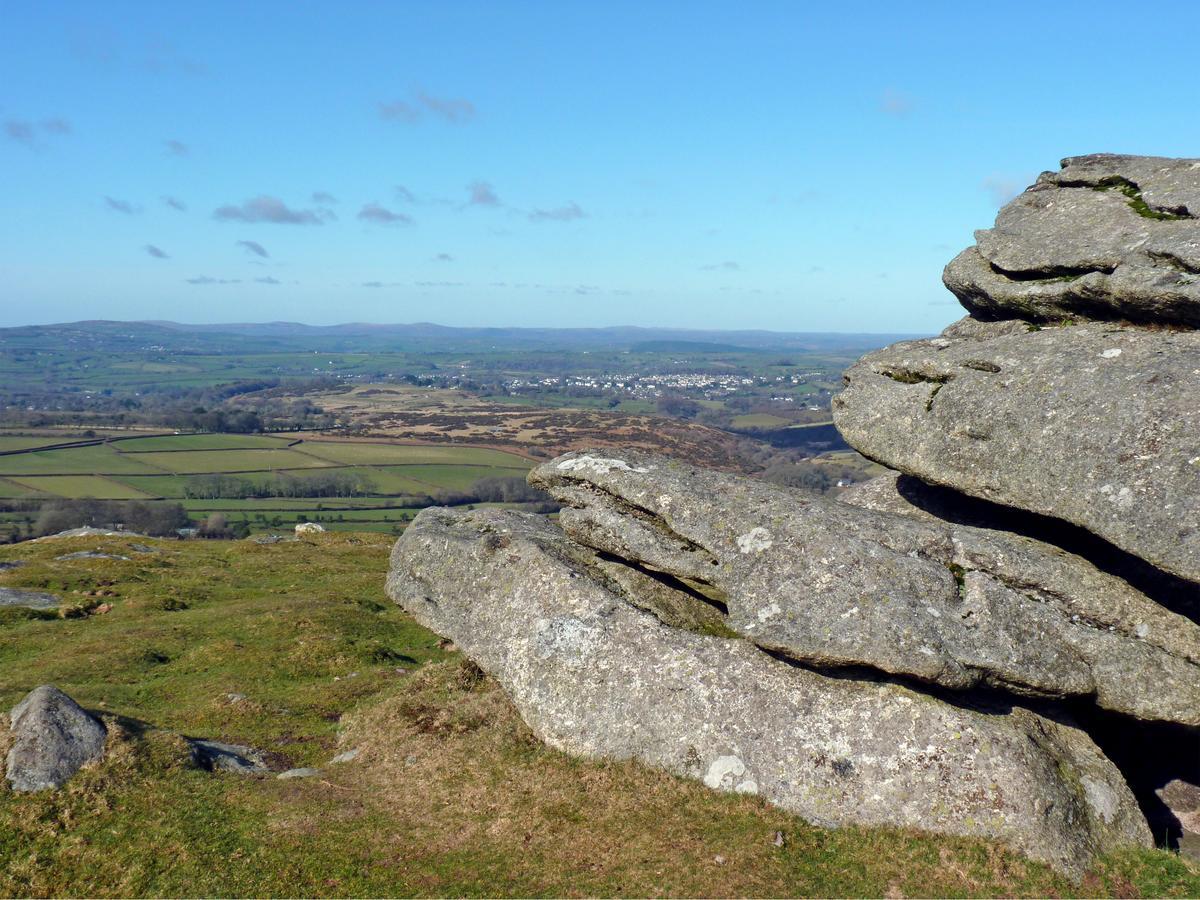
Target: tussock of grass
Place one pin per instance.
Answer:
(293, 649)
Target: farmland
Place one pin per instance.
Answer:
(381, 484)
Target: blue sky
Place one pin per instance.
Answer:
(792, 166)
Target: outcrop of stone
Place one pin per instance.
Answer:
(28, 599)
(1095, 424)
(834, 585)
(596, 677)
(52, 738)
(1108, 236)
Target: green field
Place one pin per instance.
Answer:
(163, 466)
(199, 462)
(201, 442)
(352, 453)
(758, 420)
(98, 459)
(22, 442)
(94, 486)
(10, 489)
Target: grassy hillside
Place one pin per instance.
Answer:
(293, 648)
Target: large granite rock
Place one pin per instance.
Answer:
(28, 599)
(595, 677)
(1095, 424)
(53, 737)
(834, 585)
(1111, 237)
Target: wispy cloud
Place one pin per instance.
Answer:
(380, 284)
(268, 280)
(443, 257)
(175, 203)
(121, 206)
(404, 195)
(373, 212)
(20, 131)
(895, 103)
(156, 252)
(177, 148)
(480, 193)
(728, 266)
(1003, 188)
(421, 103)
(560, 214)
(270, 210)
(254, 247)
(208, 279)
(324, 198)
(452, 109)
(26, 132)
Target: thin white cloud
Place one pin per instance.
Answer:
(561, 214)
(267, 209)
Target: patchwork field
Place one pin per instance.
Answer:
(259, 476)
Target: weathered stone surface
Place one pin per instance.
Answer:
(1095, 424)
(833, 585)
(90, 554)
(1106, 237)
(310, 528)
(28, 599)
(1182, 799)
(220, 757)
(595, 677)
(88, 531)
(53, 737)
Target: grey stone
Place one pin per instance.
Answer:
(28, 599)
(1108, 237)
(595, 677)
(1093, 424)
(346, 756)
(1182, 799)
(216, 756)
(304, 772)
(90, 554)
(834, 585)
(88, 531)
(13, 564)
(53, 737)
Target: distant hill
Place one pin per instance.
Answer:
(426, 336)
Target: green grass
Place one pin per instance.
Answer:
(21, 442)
(214, 461)
(451, 795)
(11, 489)
(200, 442)
(168, 486)
(351, 453)
(449, 477)
(94, 486)
(758, 420)
(93, 460)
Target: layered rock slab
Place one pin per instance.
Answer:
(1108, 236)
(1095, 424)
(596, 677)
(832, 586)
(53, 737)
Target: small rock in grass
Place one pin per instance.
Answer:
(90, 554)
(237, 758)
(778, 839)
(346, 757)
(303, 772)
